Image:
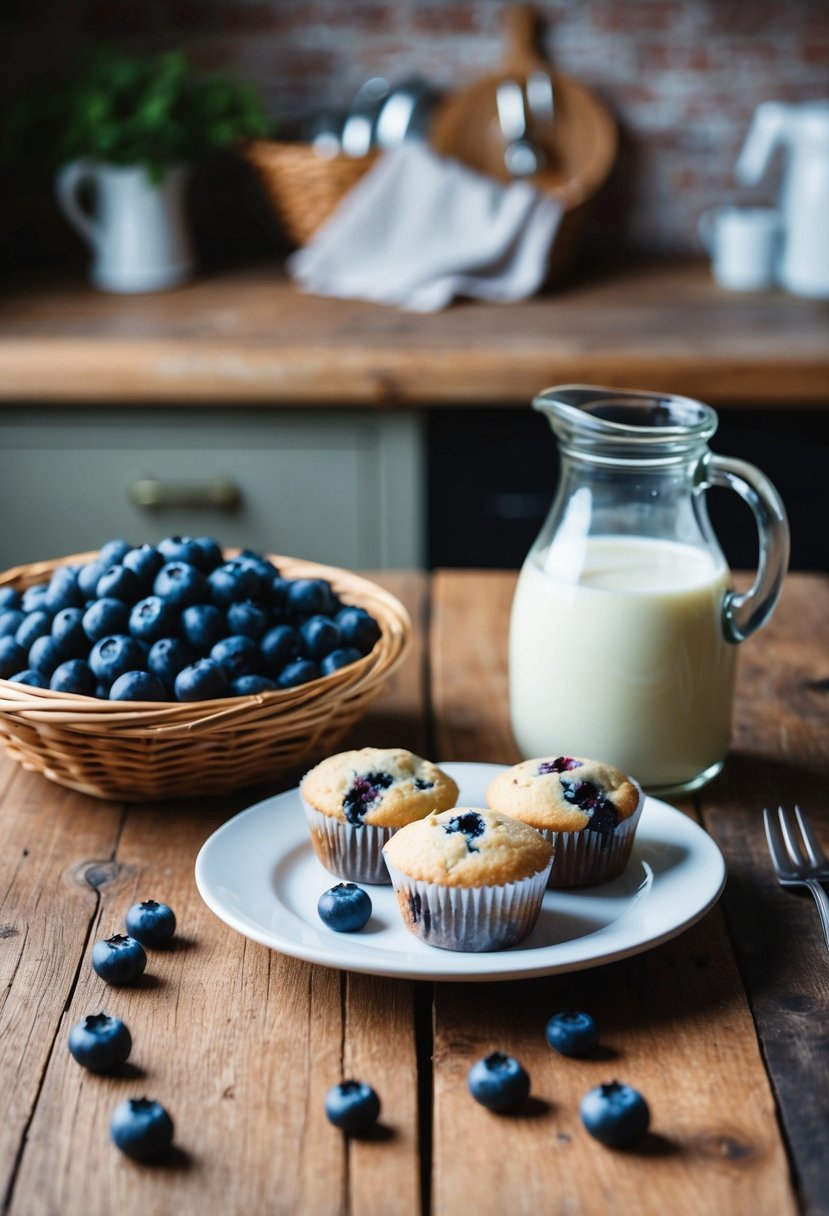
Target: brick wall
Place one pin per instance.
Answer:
(682, 76)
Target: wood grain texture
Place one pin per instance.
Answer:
(675, 1023)
(248, 336)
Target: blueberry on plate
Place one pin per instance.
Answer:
(150, 922)
(105, 616)
(203, 680)
(119, 959)
(345, 907)
(615, 1114)
(572, 1033)
(358, 628)
(181, 584)
(202, 625)
(498, 1082)
(300, 672)
(119, 583)
(75, 677)
(319, 636)
(138, 686)
(100, 1043)
(343, 656)
(13, 657)
(142, 1129)
(352, 1106)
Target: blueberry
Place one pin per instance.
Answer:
(12, 657)
(89, 576)
(470, 823)
(236, 656)
(358, 628)
(345, 907)
(203, 680)
(68, 632)
(278, 591)
(211, 553)
(279, 646)
(300, 672)
(572, 1034)
(363, 792)
(100, 1043)
(36, 624)
(119, 583)
(181, 584)
(111, 656)
(35, 597)
(10, 621)
(202, 625)
(9, 598)
(318, 636)
(561, 764)
(498, 1082)
(145, 563)
(308, 596)
(588, 797)
(73, 676)
(119, 959)
(138, 686)
(615, 1114)
(246, 686)
(63, 590)
(247, 618)
(167, 658)
(352, 1106)
(343, 656)
(142, 1129)
(151, 923)
(233, 582)
(105, 616)
(181, 549)
(33, 678)
(113, 552)
(44, 655)
(153, 618)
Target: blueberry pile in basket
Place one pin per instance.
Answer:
(177, 621)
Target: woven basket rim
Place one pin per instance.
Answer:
(152, 719)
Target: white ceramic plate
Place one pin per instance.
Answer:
(259, 874)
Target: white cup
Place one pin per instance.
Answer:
(744, 246)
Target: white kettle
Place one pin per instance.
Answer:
(803, 132)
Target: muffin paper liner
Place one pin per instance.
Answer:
(353, 852)
(585, 858)
(474, 919)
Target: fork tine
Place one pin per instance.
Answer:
(813, 848)
(797, 856)
(774, 837)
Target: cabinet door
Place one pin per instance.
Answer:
(338, 487)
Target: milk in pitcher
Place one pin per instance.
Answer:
(621, 656)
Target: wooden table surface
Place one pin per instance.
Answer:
(249, 336)
(723, 1029)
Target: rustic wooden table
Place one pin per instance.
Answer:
(723, 1028)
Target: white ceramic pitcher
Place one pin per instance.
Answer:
(138, 231)
(803, 132)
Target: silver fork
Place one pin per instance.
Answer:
(798, 859)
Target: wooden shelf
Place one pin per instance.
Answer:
(250, 337)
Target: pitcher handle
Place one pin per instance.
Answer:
(69, 181)
(745, 612)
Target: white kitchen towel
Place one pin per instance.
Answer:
(418, 230)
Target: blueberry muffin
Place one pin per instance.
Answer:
(587, 810)
(469, 879)
(355, 800)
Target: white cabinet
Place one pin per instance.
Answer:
(343, 487)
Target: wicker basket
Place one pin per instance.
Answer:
(152, 752)
(303, 187)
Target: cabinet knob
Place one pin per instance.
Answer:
(153, 494)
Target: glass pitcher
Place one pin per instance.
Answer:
(625, 624)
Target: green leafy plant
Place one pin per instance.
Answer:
(155, 111)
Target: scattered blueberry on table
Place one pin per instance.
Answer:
(353, 1106)
(142, 1129)
(615, 1114)
(572, 1033)
(100, 1043)
(151, 923)
(119, 959)
(167, 610)
(345, 907)
(498, 1082)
